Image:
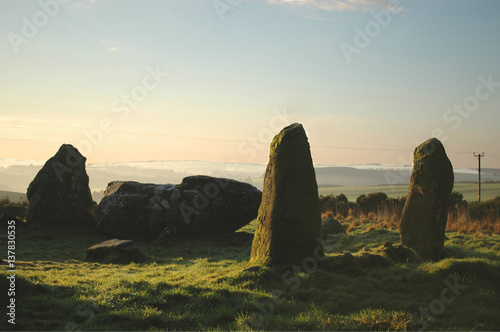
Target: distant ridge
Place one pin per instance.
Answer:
(16, 175)
(13, 196)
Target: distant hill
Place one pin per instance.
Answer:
(16, 175)
(12, 196)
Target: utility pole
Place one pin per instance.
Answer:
(479, 156)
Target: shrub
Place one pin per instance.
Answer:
(337, 205)
(463, 217)
(13, 209)
(486, 209)
(370, 203)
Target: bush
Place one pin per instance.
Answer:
(13, 209)
(463, 217)
(489, 209)
(337, 205)
(371, 202)
(374, 203)
(457, 200)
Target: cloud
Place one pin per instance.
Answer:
(111, 46)
(334, 5)
(84, 3)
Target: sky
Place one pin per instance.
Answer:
(217, 79)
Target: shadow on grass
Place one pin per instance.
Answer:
(180, 308)
(41, 307)
(62, 245)
(233, 246)
(144, 306)
(376, 298)
(57, 244)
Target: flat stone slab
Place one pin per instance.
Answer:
(115, 251)
(200, 205)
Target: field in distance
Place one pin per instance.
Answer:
(469, 190)
(12, 196)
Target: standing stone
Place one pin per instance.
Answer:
(60, 193)
(425, 214)
(289, 219)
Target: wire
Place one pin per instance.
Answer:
(358, 148)
(123, 132)
(213, 139)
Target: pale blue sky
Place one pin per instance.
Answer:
(227, 79)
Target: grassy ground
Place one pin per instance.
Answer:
(469, 190)
(200, 284)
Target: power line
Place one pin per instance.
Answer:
(123, 132)
(358, 148)
(197, 138)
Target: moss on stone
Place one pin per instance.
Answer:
(424, 217)
(289, 220)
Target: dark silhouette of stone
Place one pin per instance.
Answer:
(398, 253)
(424, 217)
(115, 251)
(355, 265)
(331, 226)
(9, 220)
(369, 261)
(289, 220)
(200, 205)
(60, 193)
(342, 261)
(252, 269)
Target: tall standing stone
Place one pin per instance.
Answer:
(60, 193)
(289, 219)
(424, 218)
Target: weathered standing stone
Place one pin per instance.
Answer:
(60, 193)
(289, 220)
(200, 205)
(424, 217)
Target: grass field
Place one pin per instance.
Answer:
(469, 190)
(201, 284)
